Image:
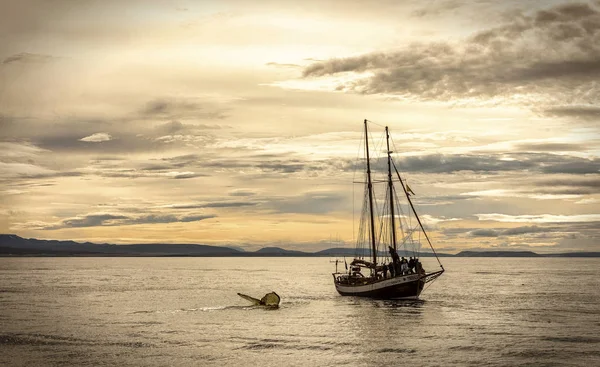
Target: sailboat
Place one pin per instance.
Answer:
(377, 271)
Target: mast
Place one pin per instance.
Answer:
(370, 188)
(391, 187)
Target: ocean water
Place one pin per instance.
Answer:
(185, 312)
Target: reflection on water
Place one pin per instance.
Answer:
(400, 303)
(185, 311)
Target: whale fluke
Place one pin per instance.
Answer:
(251, 299)
(270, 299)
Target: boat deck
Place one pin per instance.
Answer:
(345, 279)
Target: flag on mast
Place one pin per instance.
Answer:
(409, 190)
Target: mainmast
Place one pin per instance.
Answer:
(370, 188)
(391, 188)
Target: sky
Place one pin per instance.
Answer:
(237, 123)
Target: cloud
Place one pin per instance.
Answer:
(557, 187)
(107, 219)
(582, 166)
(537, 162)
(484, 233)
(175, 127)
(548, 57)
(184, 175)
(174, 108)
(157, 218)
(569, 185)
(547, 194)
(283, 166)
(26, 170)
(99, 135)
(432, 221)
(524, 230)
(250, 161)
(97, 138)
(217, 204)
(489, 232)
(253, 161)
(550, 147)
(317, 202)
(432, 10)
(588, 201)
(171, 127)
(27, 58)
(14, 150)
(541, 218)
(443, 163)
(155, 172)
(242, 192)
(440, 200)
(278, 65)
(589, 112)
(91, 220)
(195, 218)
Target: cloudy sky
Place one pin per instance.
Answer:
(239, 122)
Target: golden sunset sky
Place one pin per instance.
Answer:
(237, 123)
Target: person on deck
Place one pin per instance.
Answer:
(385, 269)
(395, 260)
(403, 266)
(419, 267)
(392, 272)
(394, 254)
(411, 265)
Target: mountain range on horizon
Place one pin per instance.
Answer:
(14, 245)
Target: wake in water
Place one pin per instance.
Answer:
(206, 309)
(270, 301)
(221, 308)
(398, 303)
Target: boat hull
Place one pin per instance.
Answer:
(401, 287)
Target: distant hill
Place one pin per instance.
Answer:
(276, 251)
(497, 254)
(345, 251)
(236, 248)
(575, 254)
(13, 245)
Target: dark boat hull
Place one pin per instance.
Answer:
(401, 287)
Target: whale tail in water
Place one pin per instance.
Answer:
(270, 299)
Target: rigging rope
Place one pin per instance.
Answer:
(416, 215)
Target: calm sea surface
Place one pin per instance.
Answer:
(185, 311)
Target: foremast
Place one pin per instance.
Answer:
(370, 189)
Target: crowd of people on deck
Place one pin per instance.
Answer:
(397, 267)
(400, 266)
